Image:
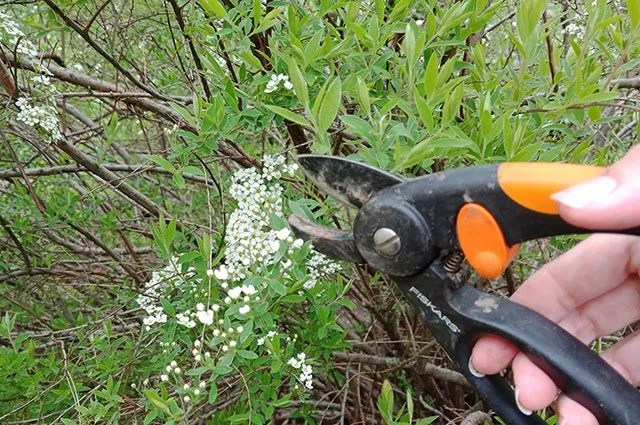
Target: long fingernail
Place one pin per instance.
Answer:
(587, 193)
(520, 406)
(474, 372)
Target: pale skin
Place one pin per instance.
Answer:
(591, 291)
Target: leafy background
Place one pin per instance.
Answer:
(124, 122)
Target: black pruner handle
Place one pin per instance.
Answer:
(579, 372)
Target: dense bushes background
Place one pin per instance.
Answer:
(146, 271)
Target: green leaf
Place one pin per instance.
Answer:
(213, 8)
(157, 401)
(363, 96)
(357, 125)
(451, 106)
(150, 417)
(633, 6)
(278, 287)
(168, 307)
(431, 75)
(213, 392)
(162, 162)
(291, 116)
(68, 422)
(245, 354)
(267, 22)
(427, 420)
(425, 112)
(299, 83)
(605, 96)
(197, 371)
(330, 104)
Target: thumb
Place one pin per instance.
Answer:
(610, 201)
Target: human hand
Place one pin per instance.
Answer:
(591, 291)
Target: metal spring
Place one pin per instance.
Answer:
(453, 261)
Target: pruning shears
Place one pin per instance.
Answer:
(418, 232)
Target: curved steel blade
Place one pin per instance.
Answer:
(335, 243)
(351, 182)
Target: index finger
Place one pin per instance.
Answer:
(592, 268)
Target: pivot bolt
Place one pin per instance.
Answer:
(386, 242)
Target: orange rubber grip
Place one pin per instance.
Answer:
(531, 184)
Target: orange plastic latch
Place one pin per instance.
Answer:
(482, 241)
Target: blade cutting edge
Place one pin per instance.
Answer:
(351, 182)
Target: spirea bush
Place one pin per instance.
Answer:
(147, 170)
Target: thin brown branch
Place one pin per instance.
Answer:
(192, 48)
(72, 169)
(476, 418)
(626, 83)
(113, 61)
(552, 66)
(23, 252)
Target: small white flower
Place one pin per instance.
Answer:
(225, 348)
(232, 343)
(260, 341)
(145, 382)
(227, 300)
(248, 289)
(239, 329)
(194, 351)
(187, 399)
(215, 307)
(197, 357)
(244, 309)
(283, 234)
(199, 306)
(185, 386)
(168, 368)
(235, 293)
(209, 273)
(224, 285)
(164, 378)
(174, 363)
(177, 370)
(197, 343)
(216, 332)
(202, 384)
(205, 317)
(297, 243)
(207, 354)
(288, 85)
(196, 391)
(221, 273)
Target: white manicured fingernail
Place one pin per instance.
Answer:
(587, 193)
(474, 372)
(521, 407)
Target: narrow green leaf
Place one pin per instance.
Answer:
(245, 354)
(431, 75)
(291, 116)
(451, 106)
(213, 8)
(213, 392)
(299, 83)
(330, 105)
(251, 60)
(633, 6)
(168, 307)
(357, 125)
(163, 163)
(425, 112)
(363, 96)
(267, 22)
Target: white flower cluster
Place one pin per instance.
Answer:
(275, 81)
(14, 36)
(574, 29)
(160, 282)
(45, 117)
(171, 367)
(319, 265)
(197, 353)
(306, 371)
(250, 239)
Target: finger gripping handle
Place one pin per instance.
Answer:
(580, 373)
